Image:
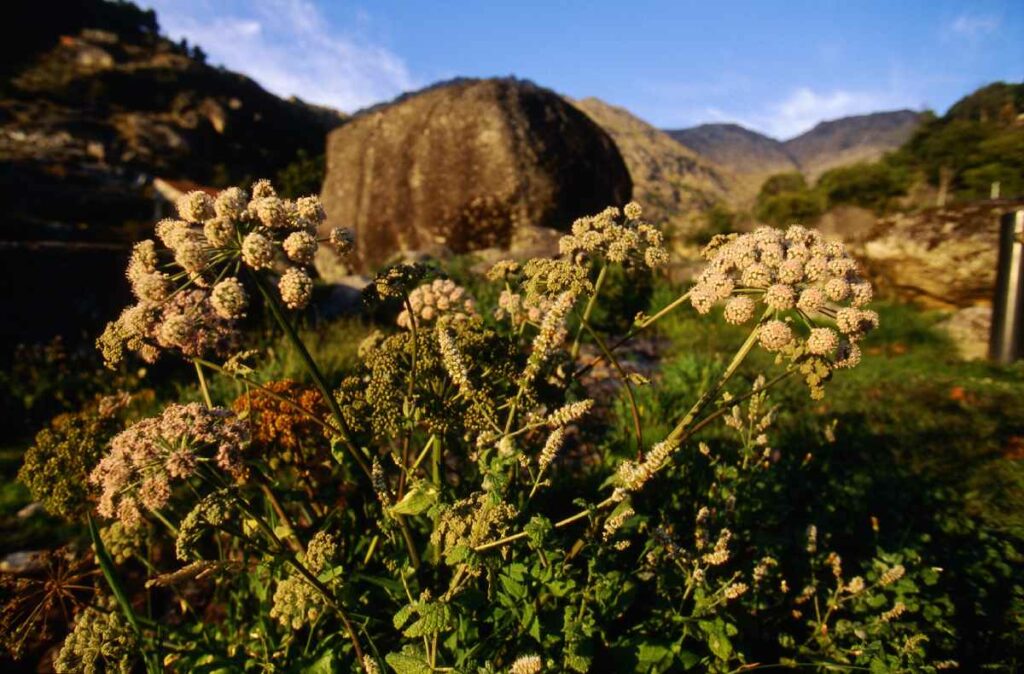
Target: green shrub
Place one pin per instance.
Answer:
(874, 186)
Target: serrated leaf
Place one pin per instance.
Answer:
(402, 616)
(325, 664)
(407, 664)
(457, 554)
(650, 655)
(434, 618)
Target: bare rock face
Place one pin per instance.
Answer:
(940, 258)
(464, 166)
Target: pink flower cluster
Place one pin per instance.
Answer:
(146, 458)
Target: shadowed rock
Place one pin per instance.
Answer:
(466, 164)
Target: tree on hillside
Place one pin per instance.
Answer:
(873, 185)
(785, 198)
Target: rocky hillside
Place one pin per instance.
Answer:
(850, 140)
(95, 103)
(94, 110)
(674, 184)
(468, 165)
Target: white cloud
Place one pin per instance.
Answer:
(804, 108)
(288, 47)
(972, 26)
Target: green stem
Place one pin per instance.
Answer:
(634, 410)
(712, 393)
(601, 275)
(318, 376)
(637, 329)
(682, 431)
(202, 383)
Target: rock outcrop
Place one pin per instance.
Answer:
(463, 165)
(94, 103)
(674, 184)
(940, 258)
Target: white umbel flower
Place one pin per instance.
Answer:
(296, 288)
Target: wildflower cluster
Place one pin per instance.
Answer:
(279, 418)
(433, 301)
(794, 272)
(433, 506)
(149, 456)
(617, 239)
(189, 293)
(57, 465)
(100, 641)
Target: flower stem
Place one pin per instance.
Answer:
(601, 275)
(314, 372)
(202, 383)
(684, 430)
(637, 329)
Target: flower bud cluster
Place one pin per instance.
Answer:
(203, 248)
(617, 239)
(432, 301)
(100, 641)
(526, 664)
(633, 475)
(297, 603)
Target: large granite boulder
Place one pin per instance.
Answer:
(464, 165)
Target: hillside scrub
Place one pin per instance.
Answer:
(454, 493)
(978, 143)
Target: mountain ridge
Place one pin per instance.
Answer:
(754, 156)
(674, 184)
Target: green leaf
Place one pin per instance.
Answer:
(717, 639)
(407, 664)
(537, 529)
(420, 497)
(434, 618)
(325, 664)
(110, 574)
(651, 655)
(402, 616)
(688, 658)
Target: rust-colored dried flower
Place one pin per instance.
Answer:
(275, 425)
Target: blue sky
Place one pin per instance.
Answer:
(777, 67)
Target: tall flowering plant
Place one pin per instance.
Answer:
(429, 512)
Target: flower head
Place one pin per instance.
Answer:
(300, 247)
(195, 206)
(792, 270)
(296, 288)
(228, 299)
(147, 457)
(432, 301)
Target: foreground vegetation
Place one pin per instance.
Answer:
(486, 477)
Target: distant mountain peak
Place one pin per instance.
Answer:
(830, 143)
(851, 139)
